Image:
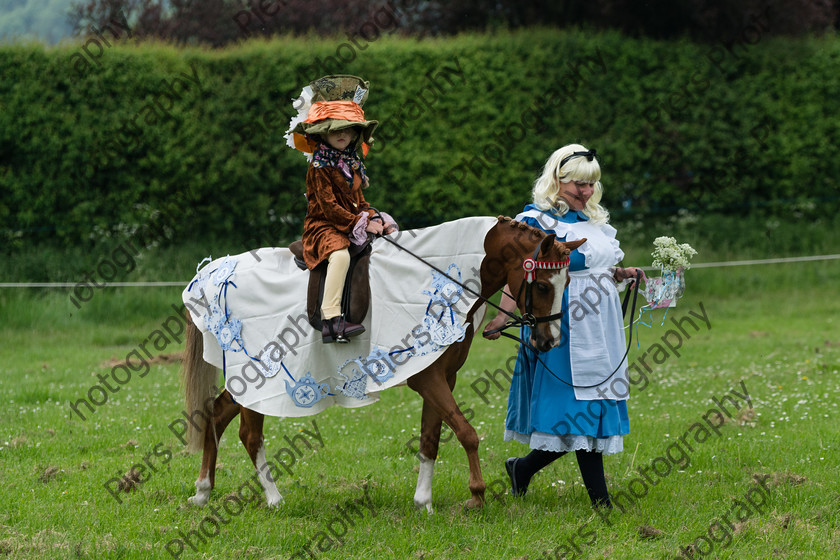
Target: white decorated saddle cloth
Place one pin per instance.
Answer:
(251, 310)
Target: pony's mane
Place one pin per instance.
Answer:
(530, 229)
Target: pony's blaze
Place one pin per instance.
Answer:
(558, 281)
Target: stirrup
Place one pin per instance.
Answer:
(339, 336)
(332, 335)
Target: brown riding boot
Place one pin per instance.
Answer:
(339, 330)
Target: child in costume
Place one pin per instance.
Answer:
(330, 128)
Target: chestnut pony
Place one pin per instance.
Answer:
(514, 254)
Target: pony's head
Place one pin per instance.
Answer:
(536, 269)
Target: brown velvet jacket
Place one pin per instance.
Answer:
(332, 211)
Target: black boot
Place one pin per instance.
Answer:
(521, 469)
(339, 330)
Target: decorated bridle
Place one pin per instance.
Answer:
(531, 265)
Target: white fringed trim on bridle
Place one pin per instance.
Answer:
(531, 266)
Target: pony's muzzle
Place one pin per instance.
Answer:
(542, 344)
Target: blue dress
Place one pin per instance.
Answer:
(544, 411)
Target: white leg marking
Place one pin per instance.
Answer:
(272, 496)
(423, 494)
(559, 282)
(202, 492)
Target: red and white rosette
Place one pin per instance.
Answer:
(530, 266)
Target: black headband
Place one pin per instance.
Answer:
(589, 155)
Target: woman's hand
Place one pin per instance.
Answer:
(497, 323)
(507, 304)
(621, 274)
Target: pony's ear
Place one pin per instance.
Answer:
(547, 243)
(572, 245)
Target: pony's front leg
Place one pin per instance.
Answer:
(427, 454)
(436, 391)
(224, 410)
(251, 434)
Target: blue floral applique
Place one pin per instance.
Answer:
(269, 367)
(355, 385)
(213, 317)
(228, 332)
(306, 391)
(444, 328)
(446, 292)
(226, 328)
(377, 365)
(224, 272)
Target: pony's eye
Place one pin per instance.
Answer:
(543, 287)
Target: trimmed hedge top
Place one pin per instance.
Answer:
(97, 140)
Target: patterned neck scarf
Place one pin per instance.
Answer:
(346, 160)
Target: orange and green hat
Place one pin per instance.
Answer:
(330, 104)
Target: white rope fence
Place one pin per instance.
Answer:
(758, 261)
(169, 284)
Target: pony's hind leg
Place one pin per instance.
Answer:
(251, 435)
(224, 410)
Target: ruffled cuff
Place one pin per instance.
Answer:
(359, 234)
(586, 249)
(389, 221)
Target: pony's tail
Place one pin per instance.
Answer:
(199, 381)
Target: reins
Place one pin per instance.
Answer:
(528, 319)
(626, 352)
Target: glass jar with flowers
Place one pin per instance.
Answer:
(672, 259)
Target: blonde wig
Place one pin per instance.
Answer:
(578, 168)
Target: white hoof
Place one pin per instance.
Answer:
(202, 493)
(198, 501)
(275, 502)
(420, 505)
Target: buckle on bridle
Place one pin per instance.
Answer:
(530, 320)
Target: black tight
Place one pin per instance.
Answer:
(591, 466)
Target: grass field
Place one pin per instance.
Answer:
(774, 329)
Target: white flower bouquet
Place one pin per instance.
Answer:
(673, 259)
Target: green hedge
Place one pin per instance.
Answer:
(466, 124)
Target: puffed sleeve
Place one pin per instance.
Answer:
(546, 223)
(610, 232)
